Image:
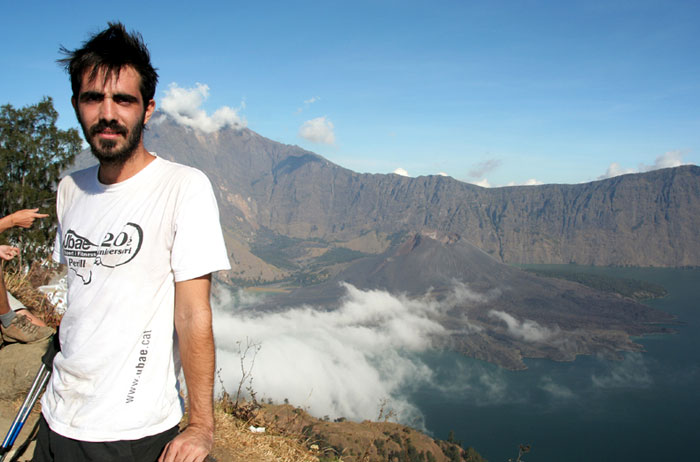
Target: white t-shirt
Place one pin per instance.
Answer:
(125, 246)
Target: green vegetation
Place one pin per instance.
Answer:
(632, 288)
(33, 153)
(471, 455)
(275, 249)
(330, 452)
(307, 278)
(408, 453)
(397, 237)
(379, 444)
(453, 453)
(293, 254)
(338, 255)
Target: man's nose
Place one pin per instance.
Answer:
(107, 109)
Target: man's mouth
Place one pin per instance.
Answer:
(108, 130)
(108, 133)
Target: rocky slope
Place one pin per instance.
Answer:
(489, 310)
(269, 191)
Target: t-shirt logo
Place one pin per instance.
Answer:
(116, 249)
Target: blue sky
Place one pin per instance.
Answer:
(489, 92)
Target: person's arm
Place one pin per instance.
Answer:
(4, 302)
(22, 218)
(6, 223)
(196, 341)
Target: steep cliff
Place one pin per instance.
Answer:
(647, 219)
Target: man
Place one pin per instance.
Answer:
(17, 324)
(140, 237)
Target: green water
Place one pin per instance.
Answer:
(644, 408)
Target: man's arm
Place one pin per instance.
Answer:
(196, 340)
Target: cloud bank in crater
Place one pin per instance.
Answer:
(343, 362)
(380, 348)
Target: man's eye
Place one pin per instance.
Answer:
(119, 99)
(89, 98)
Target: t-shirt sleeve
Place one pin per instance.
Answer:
(57, 254)
(198, 246)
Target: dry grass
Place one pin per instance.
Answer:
(22, 286)
(234, 442)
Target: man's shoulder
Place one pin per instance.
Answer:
(177, 167)
(81, 177)
(180, 172)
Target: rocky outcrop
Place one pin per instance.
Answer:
(365, 441)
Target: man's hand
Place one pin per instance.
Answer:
(8, 252)
(192, 445)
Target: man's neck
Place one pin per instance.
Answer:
(116, 173)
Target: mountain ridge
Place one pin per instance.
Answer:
(263, 184)
(292, 217)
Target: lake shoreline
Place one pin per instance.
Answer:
(640, 408)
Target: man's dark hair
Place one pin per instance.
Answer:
(111, 50)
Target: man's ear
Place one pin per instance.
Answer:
(150, 108)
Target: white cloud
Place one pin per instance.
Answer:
(318, 130)
(184, 105)
(631, 372)
(528, 330)
(667, 160)
(530, 182)
(555, 389)
(337, 363)
(461, 294)
(484, 183)
(308, 102)
(616, 169)
(494, 387)
(344, 362)
(443, 174)
(401, 171)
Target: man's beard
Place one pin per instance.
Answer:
(104, 149)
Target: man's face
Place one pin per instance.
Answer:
(112, 114)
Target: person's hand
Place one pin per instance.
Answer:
(25, 218)
(192, 445)
(7, 252)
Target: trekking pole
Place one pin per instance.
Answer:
(40, 381)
